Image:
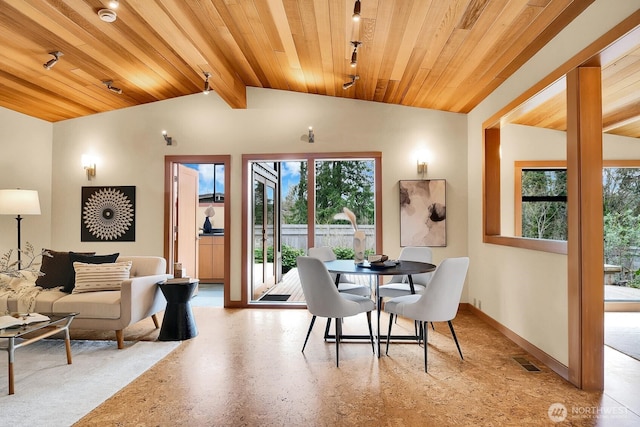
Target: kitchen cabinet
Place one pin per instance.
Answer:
(211, 258)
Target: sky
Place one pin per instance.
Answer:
(205, 174)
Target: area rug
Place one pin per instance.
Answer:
(48, 392)
(622, 333)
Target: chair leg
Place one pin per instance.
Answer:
(326, 329)
(455, 339)
(389, 332)
(425, 327)
(313, 320)
(338, 333)
(370, 331)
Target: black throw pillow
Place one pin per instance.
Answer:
(57, 269)
(87, 259)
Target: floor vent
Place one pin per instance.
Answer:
(526, 364)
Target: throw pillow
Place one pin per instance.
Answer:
(100, 277)
(87, 259)
(57, 269)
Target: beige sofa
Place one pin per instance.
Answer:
(138, 298)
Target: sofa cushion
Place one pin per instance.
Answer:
(90, 305)
(44, 301)
(100, 277)
(87, 259)
(57, 269)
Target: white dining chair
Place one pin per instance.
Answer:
(325, 253)
(437, 303)
(324, 300)
(399, 285)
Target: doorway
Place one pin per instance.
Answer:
(174, 228)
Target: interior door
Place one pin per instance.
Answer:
(187, 199)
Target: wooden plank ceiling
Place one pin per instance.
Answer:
(438, 54)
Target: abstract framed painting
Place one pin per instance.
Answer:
(423, 212)
(108, 214)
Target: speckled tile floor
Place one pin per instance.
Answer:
(245, 368)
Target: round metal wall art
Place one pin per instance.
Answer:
(108, 213)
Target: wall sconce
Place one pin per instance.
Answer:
(312, 137)
(168, 139)
(89, 165)
(422, 167)
(423, 162)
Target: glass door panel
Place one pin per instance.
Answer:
(265, 230)
(340, 184)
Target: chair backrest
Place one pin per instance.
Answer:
(439, 302)
(325, 253)
(418, 254)
(320, 292)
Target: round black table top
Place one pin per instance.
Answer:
(346, 266)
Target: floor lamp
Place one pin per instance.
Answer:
(19, 202)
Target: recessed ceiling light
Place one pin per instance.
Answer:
(107, 15)
(113, 4)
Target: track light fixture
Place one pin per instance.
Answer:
(356, 11)
(207, 88)
(50, 63)
(354, 55)
(109, 85)
(167, 139)
(353, 78)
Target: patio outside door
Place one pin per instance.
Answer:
(265, 250)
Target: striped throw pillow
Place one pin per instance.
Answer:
(100, 277)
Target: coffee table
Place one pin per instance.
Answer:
(57, 323)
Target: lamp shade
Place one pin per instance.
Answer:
(19, 202)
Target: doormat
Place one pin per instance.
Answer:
(275, 297)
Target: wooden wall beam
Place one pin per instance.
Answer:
(585, 228)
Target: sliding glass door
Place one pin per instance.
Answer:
(293, 206)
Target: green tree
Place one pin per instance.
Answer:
(341, 183)
(621, 205)
(295, 204)
(544, 207)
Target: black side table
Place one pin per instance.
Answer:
(178, 322)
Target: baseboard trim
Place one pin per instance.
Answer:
(543, 357)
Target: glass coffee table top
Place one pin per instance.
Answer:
(18, 331)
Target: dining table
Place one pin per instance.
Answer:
(377, 270)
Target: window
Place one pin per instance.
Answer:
(543, 198)
(211, 182)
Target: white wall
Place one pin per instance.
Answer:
(26, 163)
(131, 151)
(525, 290)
